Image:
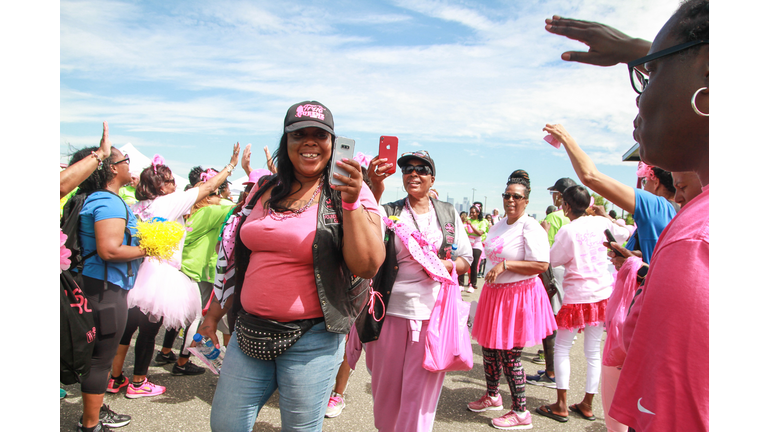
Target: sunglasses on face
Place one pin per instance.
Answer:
(420, 169)
(639, 78)
(127, 159)
(516, 197)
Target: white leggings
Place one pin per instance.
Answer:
(563, 344)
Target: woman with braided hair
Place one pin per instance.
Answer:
(513, 310)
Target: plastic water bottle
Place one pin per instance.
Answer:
(206, 347)
(454, 247)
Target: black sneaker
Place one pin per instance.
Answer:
(100, 427)
(108, 418)
(188, 369)
(162, 359)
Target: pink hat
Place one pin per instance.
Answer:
(255, 175)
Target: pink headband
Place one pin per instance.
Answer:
(363, 159)
(157, 160)
(644, 170)
(207, 175)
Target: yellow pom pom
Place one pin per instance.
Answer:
(394, 218)
(159, 239)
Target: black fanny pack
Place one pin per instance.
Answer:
(265, 339)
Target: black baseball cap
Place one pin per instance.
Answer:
(421, 155)
(308, 114)
(562, 184)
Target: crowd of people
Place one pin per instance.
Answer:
(354, 273)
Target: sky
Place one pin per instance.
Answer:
(471, 82)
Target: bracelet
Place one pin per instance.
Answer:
(229, 168)
(350, 206)
(96, 156)
(505, 265)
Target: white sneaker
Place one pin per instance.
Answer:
(470, 289)
(335, 405)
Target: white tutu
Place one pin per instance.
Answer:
(162, 291)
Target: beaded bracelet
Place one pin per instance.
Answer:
(96, 156)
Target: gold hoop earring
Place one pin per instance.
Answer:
(693, 103)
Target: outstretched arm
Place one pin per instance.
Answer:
(607, 187)
(213, 183)
(74, 174)
(607, 46)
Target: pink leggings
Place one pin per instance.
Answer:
(607, 390)
(405, 395)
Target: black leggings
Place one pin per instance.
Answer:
(473, 269)
(145, 341)
(110, 309)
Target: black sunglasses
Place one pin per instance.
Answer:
(639, 79)
(517, 197)
(127, 159)
(420, 169)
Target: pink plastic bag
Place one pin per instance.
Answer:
(448, 346)
(616, 311)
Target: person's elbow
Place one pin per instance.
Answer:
(541, 267)
(368, 266)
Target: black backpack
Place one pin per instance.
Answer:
(78, 330)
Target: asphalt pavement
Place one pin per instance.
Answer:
(186, 405)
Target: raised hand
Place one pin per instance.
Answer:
(270, 165)
(245, 162)
(607, 46)
(105, 146)
(350, 189)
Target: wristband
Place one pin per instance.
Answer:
(350, 206)
(96, 156)
(505, 265)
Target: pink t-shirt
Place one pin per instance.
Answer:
(579, 247)
(524, 240)
(279, 282)
(664, 383)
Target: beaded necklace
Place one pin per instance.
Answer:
(294, 213)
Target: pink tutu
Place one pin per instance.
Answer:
(513, 315)
(577, 316)
(162, 291)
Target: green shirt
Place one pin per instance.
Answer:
(198, 258)
(556, 221)
(128, 194)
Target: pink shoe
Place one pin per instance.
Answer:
(512, 421)
(114, 386)
(146, 389)
(486, 403)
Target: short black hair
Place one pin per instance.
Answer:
(665, 178)
(577, 197)
(692, 22)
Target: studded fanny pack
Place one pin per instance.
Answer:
(265, 339)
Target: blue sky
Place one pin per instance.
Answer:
(471, 82)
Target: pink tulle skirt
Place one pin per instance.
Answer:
(578, 316)
(162, 291)
(512, 315)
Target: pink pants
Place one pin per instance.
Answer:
(607, 389)
(405, 395)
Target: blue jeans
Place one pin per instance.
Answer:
(305, 375)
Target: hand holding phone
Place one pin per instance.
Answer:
(611, 239)
(342, 148)
(388, 150)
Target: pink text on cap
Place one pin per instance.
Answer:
(314, 111)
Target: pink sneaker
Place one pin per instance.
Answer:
(146, 389)
(114, 386)
(335, 405)
(486, 403)
(512, 420)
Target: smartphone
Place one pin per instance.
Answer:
(388, 149)
(342, 148)
(609, 236)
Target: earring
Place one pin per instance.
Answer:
(693, 103)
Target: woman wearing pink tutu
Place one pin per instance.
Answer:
(587, 285)
(513, 311)
(163, 294)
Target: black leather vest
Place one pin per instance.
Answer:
(367, 327)
(342, 295)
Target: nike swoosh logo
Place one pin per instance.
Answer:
(643, 409)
